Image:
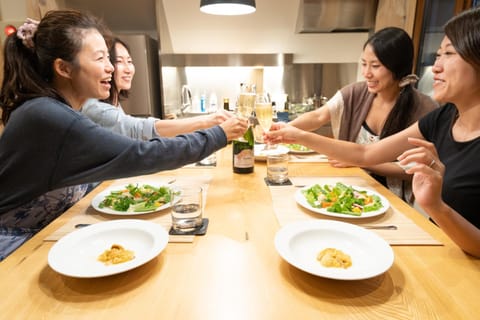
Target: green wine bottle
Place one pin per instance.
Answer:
(243, 156)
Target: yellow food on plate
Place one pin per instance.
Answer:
(116, 254)
(334, 258)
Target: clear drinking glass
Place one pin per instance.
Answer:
(277, 167)
(264, 113)
(246, 104)
(186, 207)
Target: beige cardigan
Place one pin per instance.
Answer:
(357, 102)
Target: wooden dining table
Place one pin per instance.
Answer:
(235, 272)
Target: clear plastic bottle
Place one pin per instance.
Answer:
(203, 102)
(212, 103)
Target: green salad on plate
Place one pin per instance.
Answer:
(340, 198)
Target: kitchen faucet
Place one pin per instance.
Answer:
(186, 98)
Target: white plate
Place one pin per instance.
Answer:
(101, 196)
(76, 254)
(301, 200)
(261, 154)
(291, 150)
(299, 244)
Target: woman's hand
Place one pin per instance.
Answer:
(424, 153)
(218, 117)
(234, 127)
(427, 172)
(427, 185)
(281, 132)
(338, 164)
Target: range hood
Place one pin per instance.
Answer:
(321, 16)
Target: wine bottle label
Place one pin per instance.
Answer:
(244, 159)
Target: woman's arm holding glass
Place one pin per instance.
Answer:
(386, 150)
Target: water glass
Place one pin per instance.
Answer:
(277, 167)
(186, 208)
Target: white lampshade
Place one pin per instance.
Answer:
(227, 7)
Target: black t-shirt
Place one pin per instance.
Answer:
(461, 183)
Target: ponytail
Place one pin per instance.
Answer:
(21, 80)
(401, 115)
(29, 56)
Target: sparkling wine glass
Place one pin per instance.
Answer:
(246, 102)
(264, 113)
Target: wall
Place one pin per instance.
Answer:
(322, 62)
(271, 29)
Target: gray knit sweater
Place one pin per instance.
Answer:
(47, 145)
(114, 118)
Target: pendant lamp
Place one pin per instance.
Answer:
(227, 7)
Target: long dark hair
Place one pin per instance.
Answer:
(114, 93)
(394, 48)
(28, 72)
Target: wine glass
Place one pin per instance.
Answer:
(246, 102)
(264, 113)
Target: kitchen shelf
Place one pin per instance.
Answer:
(229, 60)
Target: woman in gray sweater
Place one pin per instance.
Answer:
(48, 150)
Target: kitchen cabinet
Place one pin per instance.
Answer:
(397, 13)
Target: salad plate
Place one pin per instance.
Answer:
(301, 199)
(261, 153)
(99, 198)
(299, 244)
(76, 254)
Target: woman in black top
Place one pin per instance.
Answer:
(443, 147)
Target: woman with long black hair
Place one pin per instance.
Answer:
(385, 103)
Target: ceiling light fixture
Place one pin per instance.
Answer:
(227, 7)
